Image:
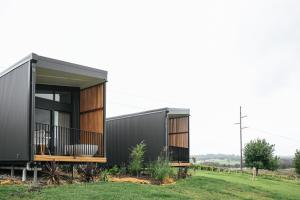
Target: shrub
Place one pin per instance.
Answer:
(123, 171)
(104, 175)
(161, 170)
(88, 173)
(182, 172)
(297, 161)
(66, 168)
(53, 174)
(195, 167)
(137, 158)
(114, 171)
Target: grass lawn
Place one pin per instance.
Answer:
(203, 185)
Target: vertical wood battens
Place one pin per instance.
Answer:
(92, 114)
(179, 132)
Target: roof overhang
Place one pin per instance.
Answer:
(56, 72)
(170, 112)
(178, 112)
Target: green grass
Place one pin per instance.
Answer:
(203, 185)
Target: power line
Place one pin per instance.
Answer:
(269, 133)
(148, 98)
(127, 105)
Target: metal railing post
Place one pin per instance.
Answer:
(60, 140)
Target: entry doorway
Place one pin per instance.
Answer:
(52, 131)
(53, 117)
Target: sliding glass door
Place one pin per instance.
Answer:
(43, 116)
(62, 119)
(62, 131)
(53, 115)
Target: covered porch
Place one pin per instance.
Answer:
(69, 112)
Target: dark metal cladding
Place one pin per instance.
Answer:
(15, 114)
(124, 133)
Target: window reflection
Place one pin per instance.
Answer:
(44, 94)
(63, 97)
(42, 116)
(58, 96)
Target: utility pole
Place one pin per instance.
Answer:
(241, 136)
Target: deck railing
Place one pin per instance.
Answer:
(178, 154)
(62, 141)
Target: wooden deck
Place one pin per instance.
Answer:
(180, 164)
(48, 158)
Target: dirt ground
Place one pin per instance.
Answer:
(6, 179)
(141, 180)
(130, 180)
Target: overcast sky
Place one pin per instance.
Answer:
(209, 56)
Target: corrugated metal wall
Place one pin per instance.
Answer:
(14, 114)
(124, 133)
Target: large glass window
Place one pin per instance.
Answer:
(44, 94)
(58, 96)
(62, 119)
(63, 97)
(57, 102)
(42, 116)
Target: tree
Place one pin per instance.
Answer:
(274, 163)
(137, 158)
(297, 161)
(259, 154)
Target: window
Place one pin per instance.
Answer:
(62, 119)
(63, 97)
(44, 94)
(42, 116)
(58, 96)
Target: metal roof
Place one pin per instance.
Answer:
(50, 63)
(169, 111)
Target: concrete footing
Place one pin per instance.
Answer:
(35, 171)
(12, 172)
(24, 174)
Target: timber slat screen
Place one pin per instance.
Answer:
(92, 113)
(179, 138)
(179, 132)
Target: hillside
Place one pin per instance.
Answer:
(203, 185)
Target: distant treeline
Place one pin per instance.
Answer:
(286, 162)
(217, 156)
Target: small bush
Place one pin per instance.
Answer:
(137, 159)
(123, 171)
(115, 171)
(104, 175)
(65, 168)
(53, 174)
(182, 173)
(161, 170)
(195, 167)
(88, 173)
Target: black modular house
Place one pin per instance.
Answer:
(51, 110)
(164, 131)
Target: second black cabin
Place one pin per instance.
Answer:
(164, 131)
